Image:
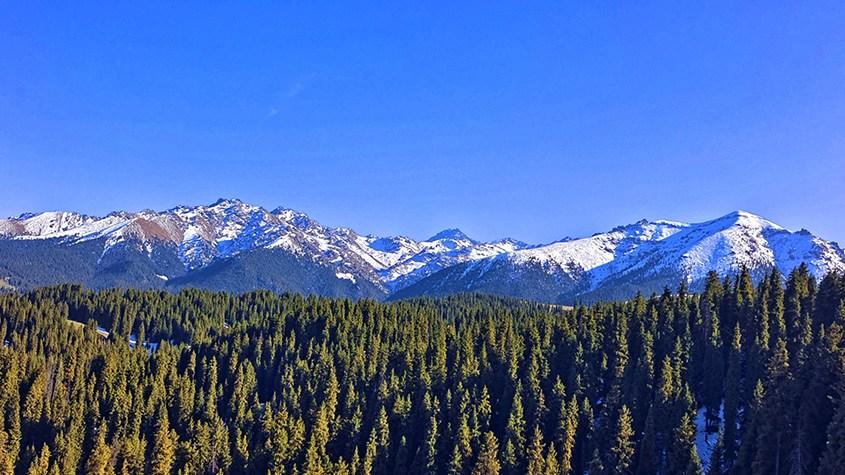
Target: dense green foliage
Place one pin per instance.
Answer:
(268, 383)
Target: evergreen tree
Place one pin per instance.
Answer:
(536, 462)
(430, 446)
(283, 384)
(488, 461)
(775, 428)
(514, 449)
(622, 451)
(714, 466)
(732, 397)
(164, 446)
(99, 459)
(552, 464)
(648, 458)
(41, 464)
(568, 438)
(683, 456)
(833, 457)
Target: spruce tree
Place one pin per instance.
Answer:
(833, 457)
(164, 446)
(41, 464)
(99, 459)
(552, 465)
(732, 397)
(683, 456)
(536, 464)
(775, 430)
(488, 459)
(514, 448)
(622, 450)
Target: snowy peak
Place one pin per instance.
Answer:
(43, 224)
(654, 252)
(205, 234)
(452, 234)
(743, 219)
(644, 256)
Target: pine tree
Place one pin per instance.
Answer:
(99, 459)
(462, 451)
(732, 397)
(714, 466)
(714, 366)
(514, 449)
(569, 436)
(750, 431)
(370, 454)
(488, 461)
(41, 464)
(584, 439)
(648, 457)
(6, 466)
(622, 450)
(456, 462)
(401, 463)
(552, 465)
(132, 458)
(777, 321)
(828, 299)
(536, 461)
(316, 459)
(833, 457)
(430, 446)
(683, 456)
(775, 428)
(800, 290)
(164, 446)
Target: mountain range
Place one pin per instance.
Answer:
(235, 246)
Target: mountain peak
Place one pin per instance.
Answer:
(451, 233)
(741, 213)
(187, 239)
(747, 219)
(226, 202)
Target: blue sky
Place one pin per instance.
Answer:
(534, 120)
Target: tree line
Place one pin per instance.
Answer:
(470, 384)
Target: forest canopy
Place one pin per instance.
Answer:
(745, 377)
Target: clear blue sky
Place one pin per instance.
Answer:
(527, 119)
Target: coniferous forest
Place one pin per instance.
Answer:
(196, 382)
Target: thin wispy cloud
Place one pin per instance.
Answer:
(293, 91)
(296, 89)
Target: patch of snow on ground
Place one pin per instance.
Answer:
(705, 442)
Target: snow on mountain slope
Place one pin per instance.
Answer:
(727, 244)
(187, 239)
(201, 235)
(644, 255)
(56, 224)
(442, 251)
(600, 249)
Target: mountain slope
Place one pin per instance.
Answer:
(232, 245)
(188, 245)
(644, 256)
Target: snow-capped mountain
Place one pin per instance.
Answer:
(642, 256)
(185, 240)
(232, 245)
